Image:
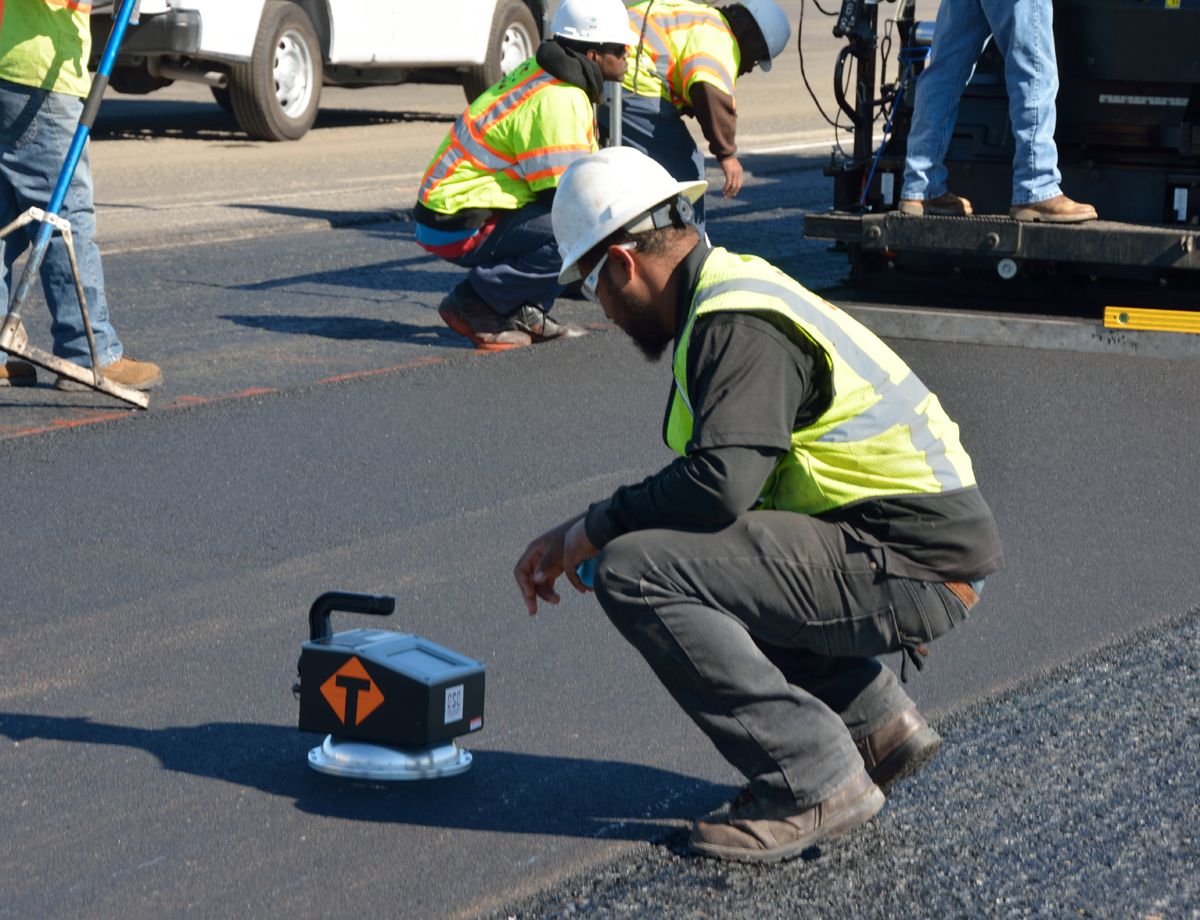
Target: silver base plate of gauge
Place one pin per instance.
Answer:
(380, 763)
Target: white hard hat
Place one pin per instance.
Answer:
(617, 188)
(598, 22)
(774, 25)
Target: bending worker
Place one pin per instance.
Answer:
(689, 56)
(44, 47)
(822, 512)
(484, 202)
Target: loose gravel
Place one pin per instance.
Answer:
(1074, 795)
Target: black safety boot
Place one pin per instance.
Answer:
(537, 324)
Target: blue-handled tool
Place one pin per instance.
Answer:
(12, 333)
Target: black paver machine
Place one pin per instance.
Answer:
(1128, 138)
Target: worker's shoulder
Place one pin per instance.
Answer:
(689, 11)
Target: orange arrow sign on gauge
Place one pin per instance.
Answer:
(351, 693)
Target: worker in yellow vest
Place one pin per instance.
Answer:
(686, 62)
(44, 47)
(484, 201)
(822, 512)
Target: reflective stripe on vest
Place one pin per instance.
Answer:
(681, 41)
(884, 433)
(473, 168)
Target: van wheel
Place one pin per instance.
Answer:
(515, 37)
(275, 96)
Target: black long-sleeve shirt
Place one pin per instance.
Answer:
(751, 385)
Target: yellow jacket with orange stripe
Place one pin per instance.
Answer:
(682, 43)
(512, 142)
(46, 43)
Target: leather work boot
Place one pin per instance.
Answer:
(899, 748)
(947, 205)
(473, 319)
(541, 328)
(138, 375)
(1057, 210)
(15, 373)
(754, 831)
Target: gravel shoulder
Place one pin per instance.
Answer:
(1071, 795)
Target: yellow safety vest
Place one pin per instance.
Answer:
(683, 43)
(46, 43)
(884, 432)
(511, 143)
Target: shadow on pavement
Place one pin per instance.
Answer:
(503, 791)
(121, 119)
(349, 328)
(397, 216)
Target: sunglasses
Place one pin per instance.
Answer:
(618, 51)
(592, 281)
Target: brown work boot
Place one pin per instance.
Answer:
(1057, 210)
(899, 748)
(541, 328)
(470, 317)
(946, 205)
(755, 831)
(137, 375)
(17, 374)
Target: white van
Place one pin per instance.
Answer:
(266, 60)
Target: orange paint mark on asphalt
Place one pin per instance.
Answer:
(358, 375)
(187, 401)
(182, 401)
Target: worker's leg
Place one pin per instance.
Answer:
(960, 34)
(656, 128)
(36, 128)
(697, 605)
(1024, 31)
(864, 693)
(518, 263)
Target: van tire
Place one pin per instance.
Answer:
(276, 95)
(514, 38)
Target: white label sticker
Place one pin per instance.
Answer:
(887, 186)
(1181, 203)
(454, 704)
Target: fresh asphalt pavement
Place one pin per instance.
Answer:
(319, 429)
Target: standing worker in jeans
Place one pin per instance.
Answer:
(44, 47)
(689, 56)
(1024, 32)
(484, 201)
(822, 512)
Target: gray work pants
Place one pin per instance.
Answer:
(764, 632)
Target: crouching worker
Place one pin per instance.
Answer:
(484, 202)
(822, 512)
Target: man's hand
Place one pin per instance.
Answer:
(733, 176)
(542, 563)
(576, 548)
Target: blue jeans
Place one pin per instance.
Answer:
(1023, 31)
(36, 127)
(517, 264)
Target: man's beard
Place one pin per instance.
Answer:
(639, 325)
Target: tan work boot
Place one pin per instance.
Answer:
(137, 375)
(1057, 210)
(15, 373)
(947, 205)
(541, 328)
(473, 319)
(899, 748)
(754, 831)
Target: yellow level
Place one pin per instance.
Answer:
(1154, 320)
